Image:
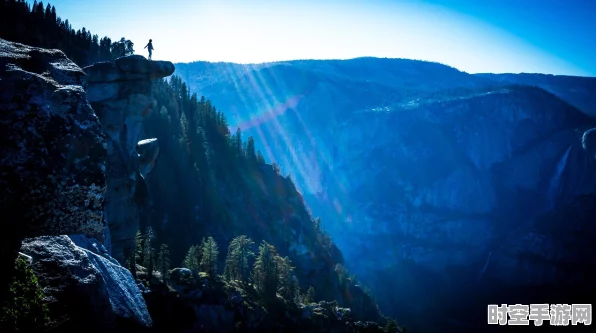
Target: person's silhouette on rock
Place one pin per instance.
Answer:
(149, 47)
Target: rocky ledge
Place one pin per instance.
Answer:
(120, 93)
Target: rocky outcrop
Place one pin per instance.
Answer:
(148, 151)
(53, 149)
(52, 167)
(120, 93)
(85, 286)
(53, 170)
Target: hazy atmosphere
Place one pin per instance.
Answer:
(497, 36)
(236, 166)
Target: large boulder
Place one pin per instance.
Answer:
(52, 167)
(85, 287)
(120, 93)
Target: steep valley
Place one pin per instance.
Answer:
(435, 184)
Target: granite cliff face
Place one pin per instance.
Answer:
(434, 183)
(52, 168)
(482, 195)
(58, 158)
(120, 94)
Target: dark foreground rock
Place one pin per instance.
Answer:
(52, 167)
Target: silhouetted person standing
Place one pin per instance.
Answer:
(149, 47)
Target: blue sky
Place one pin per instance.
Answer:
(546, 36)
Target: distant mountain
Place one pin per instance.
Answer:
(578, 91)
(421, 173)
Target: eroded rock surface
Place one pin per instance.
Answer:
(53, 152)
(85, 286)
(120, 93)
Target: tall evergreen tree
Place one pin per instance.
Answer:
(192, 259)
(209, 256)
(149, 251)
(238, 259)
(163, 262)
(288, 283)
(310, 296)
(265, 274)
(237, 143)
(251, 155)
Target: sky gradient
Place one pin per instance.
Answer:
(505, 36)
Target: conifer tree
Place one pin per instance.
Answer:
(310, 295)
(149, 251)
(265, 275)
(192, 259)
(260, 158)
(163, 262)
(250, 150)
(25, 310)
(288, 283)
(139, 249)
(237, 143)
(238, 258)
(209, 255)
(132, 259)
(391, 326)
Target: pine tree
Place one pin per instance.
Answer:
(288, 283)
(237, 143)
(391, 326)
(250, 150)
(265, 275)
(149, 251)
(310, 295)
(322, 236)
(163, 262)
(139, 249)
(192, 259)
(238, 258)
(25, 309)
(260, 158)
(209, 254)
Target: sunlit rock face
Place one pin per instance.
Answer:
(84, 284)
(120, 94)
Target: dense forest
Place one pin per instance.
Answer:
(39, 25)
(208, 183)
